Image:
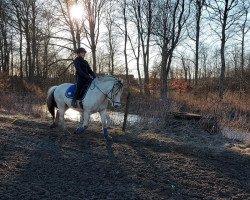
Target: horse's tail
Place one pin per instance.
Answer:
(51, 103)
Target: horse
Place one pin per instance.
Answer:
(100, 92)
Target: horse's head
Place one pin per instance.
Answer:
(116, 93)
(111, 87)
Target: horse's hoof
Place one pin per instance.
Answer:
(79, 130)
(109, 138)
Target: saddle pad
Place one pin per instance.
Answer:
(70, 91)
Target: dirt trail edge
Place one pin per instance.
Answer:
(39, 163)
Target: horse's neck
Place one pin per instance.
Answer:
(106, 85)
(106, 78)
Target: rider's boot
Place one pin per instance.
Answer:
(73, 102)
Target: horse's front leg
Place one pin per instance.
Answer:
(80, 121)
(84, 126)
(109, 121)
(103, 115)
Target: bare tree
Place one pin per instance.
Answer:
(204, 60)
(94, 11)
(46, 35)
(235, 57)
(224, 14)
(4, 38)
(125, 38)
(136, 50)
(143, 14)
(25, 22)
(168, 27)
(111, 35)
(34, 64)
(199, 4)
(194, 35)
(244, 28)
(20, 28)
(72, 25)
(186, 67)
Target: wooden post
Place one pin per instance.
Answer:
(126, 112)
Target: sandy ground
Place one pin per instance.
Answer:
(179, 162)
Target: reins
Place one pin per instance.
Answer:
(111, 91)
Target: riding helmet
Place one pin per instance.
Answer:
(80, 50)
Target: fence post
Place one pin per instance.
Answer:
(126, 112)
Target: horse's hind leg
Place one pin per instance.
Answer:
(61, 111)
(56, 121)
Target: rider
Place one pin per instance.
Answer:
(84, 74)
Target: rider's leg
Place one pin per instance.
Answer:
(79, 86)
(73, 102)
(86, 86)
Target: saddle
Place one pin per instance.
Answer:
(71, 90)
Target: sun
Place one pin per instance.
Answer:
(76, 12)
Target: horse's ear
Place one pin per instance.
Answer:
(120, 81)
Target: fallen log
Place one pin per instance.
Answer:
(209, 124)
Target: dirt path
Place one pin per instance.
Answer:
(39, 163)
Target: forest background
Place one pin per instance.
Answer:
(174, 55)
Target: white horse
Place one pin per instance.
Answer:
(101, 90)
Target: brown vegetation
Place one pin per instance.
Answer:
(20, 96)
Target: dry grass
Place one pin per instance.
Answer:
(19, 96)
(232, 111)
(27, 104)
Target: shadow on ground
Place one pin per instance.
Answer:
(40, 163)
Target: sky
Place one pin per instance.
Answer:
(208, 39)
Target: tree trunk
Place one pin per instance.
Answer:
(222, 52)
(145, 45)
(164, 74)
(199, 4)
(125, 41)
(34, 43)
(20, 48)
(93, 49)
(164, 81)
(197, 42)
(223, 66)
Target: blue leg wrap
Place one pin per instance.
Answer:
(105, 130)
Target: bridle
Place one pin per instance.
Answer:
(112, 93)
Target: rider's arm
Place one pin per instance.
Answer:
(90, 70)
